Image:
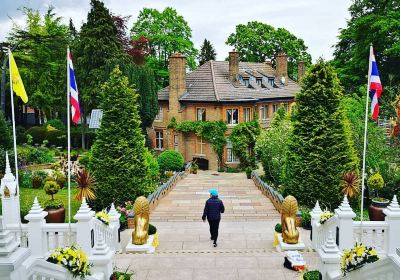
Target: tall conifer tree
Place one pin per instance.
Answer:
(320, 149)
(207, 52)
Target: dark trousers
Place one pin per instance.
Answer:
(214, 225)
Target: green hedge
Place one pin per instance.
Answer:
(170, 160)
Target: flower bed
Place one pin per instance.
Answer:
(357, 257)
(73, 259)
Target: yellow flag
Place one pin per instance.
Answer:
(18, 85)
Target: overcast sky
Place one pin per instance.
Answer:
(317, 22)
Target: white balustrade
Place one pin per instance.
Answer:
(100, 229)
(59, 235)
(321, 232)
(371, 233)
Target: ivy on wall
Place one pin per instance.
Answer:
(243, 138)
(212, 131)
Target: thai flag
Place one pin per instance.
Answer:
(374, 86)
(74, 94)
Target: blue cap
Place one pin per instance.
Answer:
(213, 192)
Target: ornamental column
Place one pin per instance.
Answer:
(345, 224)
(392, 213)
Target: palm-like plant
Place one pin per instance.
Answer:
(85, 183)
(350, 184)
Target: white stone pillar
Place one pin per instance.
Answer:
(329, 258)
(392, 213)
(11, 256)
(102, 257)
(36, 238)
(115, 225)
(84, 227)
(315, 217)
(345, 223)
(9, 197)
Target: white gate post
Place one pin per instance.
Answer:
(36, 238)
(392, 213)
(315, 217)
(345, 223)
(329, 258)
(84, 226)
(102, 257)
(114, 224)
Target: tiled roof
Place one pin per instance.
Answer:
(210, 83)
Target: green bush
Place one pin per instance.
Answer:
(38, 155)
(278, 228)
(305, 218)
(312, 275)
(5, 132)
(232, 170)
(152, 229)
(56, 137)
(38, 134)
(375, 182)
(37, 182)
(20, 131)
(56, 123)
(170, 160)
(154, 171)
(25, 178)
(52, 204)
(51, 188)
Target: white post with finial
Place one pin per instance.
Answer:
(315, 217)
(84, 226)
(10, 197)
(114, 224)
(35, 229)
(329, 259)
(392, 213)
(102, 257)
(345, 224)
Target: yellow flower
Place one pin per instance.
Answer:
(360, 251)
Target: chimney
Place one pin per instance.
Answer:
(281, 69)
(177, 82)
(234, 67)
(301, 70)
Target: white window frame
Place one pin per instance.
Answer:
(176, 142)
(247, 114)
(230, 156)
(264, 112)
(200, 144)
(159, 140)
(232, 110)
(275, 107)
(159, 116)
(286, 106)
(200, 113)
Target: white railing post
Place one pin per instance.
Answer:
(114, 224)
(345, 224)
(392, 213)
(36, 240)
(102, 257)
(11, 256)
(9, 197)
(315, 217)
(329, 258)
(84, 226)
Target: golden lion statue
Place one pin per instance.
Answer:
(290, 234)
(142, 212)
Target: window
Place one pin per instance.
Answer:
(159, 116)
(159, 140)
(259, 82)
(232, 116)
(247, 114)
(176, 146)
(271, 82)
(275, 107)
(246, 82)
(230, 156)
(200, 145)
(286, 106)
(201, 114)
(264, 112)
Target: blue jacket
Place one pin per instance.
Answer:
(213, 209)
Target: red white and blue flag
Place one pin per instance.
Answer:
(73, 91)
(375, 87)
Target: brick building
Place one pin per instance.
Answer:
(231, 91)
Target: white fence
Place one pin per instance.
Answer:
(341, 232)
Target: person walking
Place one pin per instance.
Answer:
(212, 211)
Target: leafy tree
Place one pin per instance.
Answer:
(168, 33)
(6, 138)
(243, 138)
(40, 54)
(376, 23)
(207, 52)
(257, 41)
(320, 148)
(118, 155)
(272, 147)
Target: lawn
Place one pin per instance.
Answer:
(28, 195)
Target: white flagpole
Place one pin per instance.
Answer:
(69, 140)
(365, 141)
(13, 123)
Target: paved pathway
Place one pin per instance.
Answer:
(245, 244)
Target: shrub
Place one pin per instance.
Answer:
(170, 160)
(37, 181)
(60, 179)
(51, 188)
(154, 171)
(38, 134)
(375, 182)
(152, 229)
(56, 123)
(39, 155)
(20, 131)
(278, 228)
(312, 275)
(350, 184)
(25, 178)
(56, 137)
(305, 218)
(5, 132)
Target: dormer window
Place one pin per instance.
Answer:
(271, 81)
(246, 82)
(259, 81)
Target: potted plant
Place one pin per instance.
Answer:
(118, 275)
(350, 184)
(357, 257)
(153, 231)
(195, 167)
(325, 216)
(312, 275)
(248, 172)
(306, 219)
(375, 210)
(54, 207)
(278, 230)
(85, 184)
